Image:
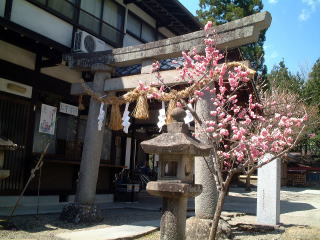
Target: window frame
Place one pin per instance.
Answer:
(75, 19)
(141, 23)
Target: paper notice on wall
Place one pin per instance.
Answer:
(47, 119)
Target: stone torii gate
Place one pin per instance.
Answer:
(229, 36)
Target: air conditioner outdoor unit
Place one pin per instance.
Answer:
(85, 42)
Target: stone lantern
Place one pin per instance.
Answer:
(5, 145)
(176, 150)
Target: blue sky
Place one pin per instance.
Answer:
(294, 34)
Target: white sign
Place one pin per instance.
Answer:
(47, 119)
(69, 109)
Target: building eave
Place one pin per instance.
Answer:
(171, 14)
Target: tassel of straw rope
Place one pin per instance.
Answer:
(115, 122)
(141, 110)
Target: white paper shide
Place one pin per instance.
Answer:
(161, 117)
(126, 119)
(101, 116)
(189, 118)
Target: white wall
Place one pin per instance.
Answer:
(16, 55)
(42, 22)
(128, 40)
(2, 7)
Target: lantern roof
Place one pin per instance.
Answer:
(177, 140)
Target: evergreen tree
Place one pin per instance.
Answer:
(281, 77)
(312, 86)
(222, 11)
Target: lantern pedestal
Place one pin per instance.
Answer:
(175, 198)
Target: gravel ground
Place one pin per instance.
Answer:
(290, 233)
(300, 218)
(47, 226)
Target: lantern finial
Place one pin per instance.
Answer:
(178, 114)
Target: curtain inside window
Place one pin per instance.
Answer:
(133, 25)
(113, 14)
(63, 7)
(148, 33)
(91, 6)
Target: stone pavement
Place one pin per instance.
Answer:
(112, 233)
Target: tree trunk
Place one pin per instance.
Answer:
(217, 214)
(248, 183)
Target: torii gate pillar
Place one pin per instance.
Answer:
(84, 209)
(205, 203)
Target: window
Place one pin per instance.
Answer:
(147, 33)
(102, 18)
(109, 23)
(140, 29)
(89, 18)
(113, 14)
(133, 25)
(67, 138)
(91, 6)
(65, 8)
(66, 143)
(113, 21)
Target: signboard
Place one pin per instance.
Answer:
(47, 119)
(69, 109)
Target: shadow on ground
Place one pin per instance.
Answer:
(51, 222)
(249, 205)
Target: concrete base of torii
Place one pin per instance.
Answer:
(84, 209)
